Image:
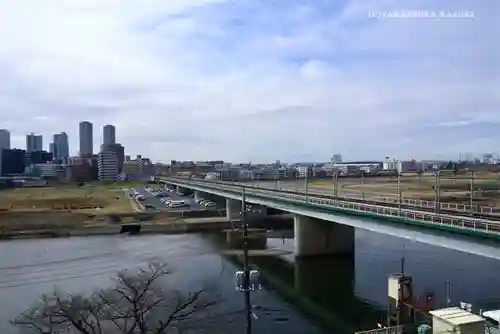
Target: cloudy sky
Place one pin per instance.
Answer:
(255, 80)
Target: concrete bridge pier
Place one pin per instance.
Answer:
(233, 208)
(315, 237)
(198, 195)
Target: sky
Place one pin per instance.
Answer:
(256, 80)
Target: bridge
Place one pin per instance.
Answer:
(326, 225)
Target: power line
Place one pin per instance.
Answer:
(89, 257)
(58, 280)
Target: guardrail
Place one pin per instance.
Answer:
(429, 205)
(490, 228)
(410, 202)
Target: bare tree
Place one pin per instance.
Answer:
(139, 302)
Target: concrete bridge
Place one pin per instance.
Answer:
(326, 226)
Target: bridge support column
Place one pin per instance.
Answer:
(319, 237)
(197, 195)
(233, 208)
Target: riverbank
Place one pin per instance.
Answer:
(173, 227)
(144, 223)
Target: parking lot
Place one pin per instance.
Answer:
(150, 200)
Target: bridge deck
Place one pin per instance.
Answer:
(488, 228)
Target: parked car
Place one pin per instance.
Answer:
(177, 204)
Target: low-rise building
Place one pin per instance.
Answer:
(138, 168)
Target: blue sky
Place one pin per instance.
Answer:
(257, 80)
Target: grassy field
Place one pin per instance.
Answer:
(452, 188)
(91, 198)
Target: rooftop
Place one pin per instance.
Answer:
(456, 316)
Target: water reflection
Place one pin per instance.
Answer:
(29, 268)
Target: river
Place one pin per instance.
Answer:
(352, 290)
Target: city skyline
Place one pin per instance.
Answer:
(100, 140)
(45, 144)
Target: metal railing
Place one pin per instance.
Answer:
(463, 208)
(430, 218)
(386, 330)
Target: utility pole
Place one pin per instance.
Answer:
(333, 182)
(471, 192)
(307, 182)
(296, 181)
(447, 291)
(246, 280)
(437, 192)
(337, 183)
(363, 185)
(399, 191)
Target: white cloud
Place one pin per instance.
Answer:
(200, 79)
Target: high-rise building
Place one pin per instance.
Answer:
(107, 164)
(52, 148)
(119, 151)
(12, 162)
(86, 139)
(34, 142)
(108, 135)
(61, 146)
(4, 139)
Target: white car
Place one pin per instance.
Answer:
(176, 204)
(209, 204)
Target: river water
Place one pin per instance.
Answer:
(352, 291)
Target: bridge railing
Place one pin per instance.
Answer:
(486, 210)
(444, 220)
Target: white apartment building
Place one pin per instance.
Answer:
(107, 164)
(303, 171)
(392, 164)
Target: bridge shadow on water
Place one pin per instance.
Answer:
(321, 288)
